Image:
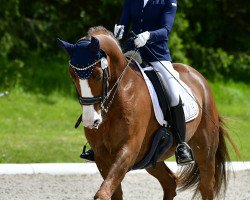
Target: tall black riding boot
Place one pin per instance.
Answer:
(184, 154)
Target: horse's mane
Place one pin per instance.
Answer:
(102, 31)
(97, 30)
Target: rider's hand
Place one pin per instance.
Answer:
(142, 39)
(118, 31)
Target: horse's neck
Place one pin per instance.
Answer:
(113, 50)
(118, 63)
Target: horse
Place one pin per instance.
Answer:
(120, 126)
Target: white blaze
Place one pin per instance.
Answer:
(89, 114)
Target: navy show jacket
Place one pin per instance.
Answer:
(157, 17)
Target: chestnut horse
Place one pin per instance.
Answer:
(122, 136)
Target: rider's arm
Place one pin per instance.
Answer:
(166, 23)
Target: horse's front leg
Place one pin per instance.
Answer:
(116, 171)
(104, 166)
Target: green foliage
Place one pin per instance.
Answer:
(46, 75)
(212, 36)
(10, 72)
(240, 68)
(217, 38)
(217, 64)
(212, 63)
(176, 43)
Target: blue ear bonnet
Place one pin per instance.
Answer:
(82, 55)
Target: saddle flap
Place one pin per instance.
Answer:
(155, 78)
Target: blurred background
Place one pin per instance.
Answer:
(37, 116)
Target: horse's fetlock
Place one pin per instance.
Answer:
(102, 195)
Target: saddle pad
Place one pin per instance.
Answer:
(190, 106)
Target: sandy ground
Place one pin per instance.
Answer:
(136, 186)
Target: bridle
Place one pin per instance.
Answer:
(106, 93)
(86, 101)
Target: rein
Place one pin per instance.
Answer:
(115, 87)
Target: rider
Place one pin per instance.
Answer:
(152, 21)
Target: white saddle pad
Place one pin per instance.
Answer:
(190, 107)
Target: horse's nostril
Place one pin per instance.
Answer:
(97, 121)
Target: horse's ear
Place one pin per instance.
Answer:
(94, 45)
(67, 46)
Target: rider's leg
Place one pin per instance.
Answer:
(183, 152)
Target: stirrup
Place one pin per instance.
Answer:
(87, 155)
(184, 154)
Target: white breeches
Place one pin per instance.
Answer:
(173, 87)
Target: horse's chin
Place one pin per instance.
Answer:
(91, 127)
(95, 127)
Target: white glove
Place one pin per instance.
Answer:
(142, 39)
(118, 31)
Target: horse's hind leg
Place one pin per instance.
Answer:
(205, 147)
(166, 178)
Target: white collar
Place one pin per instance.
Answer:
(145, 2)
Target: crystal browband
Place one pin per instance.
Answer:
(85, 68)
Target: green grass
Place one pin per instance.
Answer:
(233, 100)
(37, 128)
(40, 128)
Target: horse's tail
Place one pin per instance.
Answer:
(222, 156)
(189, 176)
(221, 176)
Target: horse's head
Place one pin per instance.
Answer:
(88, 67)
